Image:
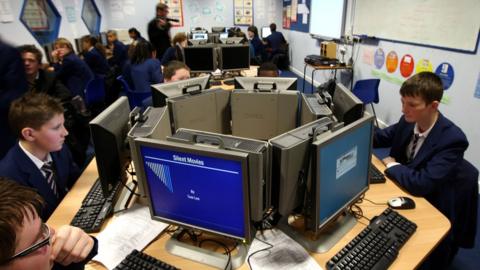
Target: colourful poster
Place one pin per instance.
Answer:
(379, 58)
(424, 65)
(392, 61)
(446, 73)
(406, 65)
(243, 14)
(367, 57)
(176, 11)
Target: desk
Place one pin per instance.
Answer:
(317, 67)
(432, 225)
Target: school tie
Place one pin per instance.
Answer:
(47, 168)
(414, 146)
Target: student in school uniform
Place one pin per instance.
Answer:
(40, 159)
(179, 42)
(94, 55)
(135, 35)
(257, 49)
(70, 69)
(117, 49)
(275, 41)
(27, 242)
(176, 71)
(426, 156)
(267, 69)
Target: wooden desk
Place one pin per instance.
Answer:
(432, 225)
(320, 67)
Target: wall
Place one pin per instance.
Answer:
(16, 33)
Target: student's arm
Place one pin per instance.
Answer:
(423, 181)
(156, 75)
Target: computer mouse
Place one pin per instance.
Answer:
(401, 203)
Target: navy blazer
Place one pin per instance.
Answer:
(120, 54)
(96, 61)
(275, 40)
(169, 55)
(17, 166)
(74, 74)
(141, 76)
(258, 47)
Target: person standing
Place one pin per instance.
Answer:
(159, 30)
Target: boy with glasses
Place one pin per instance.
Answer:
(28, 243)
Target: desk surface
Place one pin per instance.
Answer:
(337, 66)
(432, 225)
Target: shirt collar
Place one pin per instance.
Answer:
(38, 163)
(424, 134)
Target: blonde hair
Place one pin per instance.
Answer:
(63, 42)
(179, 38)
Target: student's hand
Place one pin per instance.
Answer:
(388, 160)
(161, 23)
(70, 245)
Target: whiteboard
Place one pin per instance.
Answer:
(452, 24)
(327, 18)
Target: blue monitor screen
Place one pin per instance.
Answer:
(196, 190)
(343, 168)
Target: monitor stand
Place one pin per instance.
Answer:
(327, 238)
(125, 197)
(218, 260)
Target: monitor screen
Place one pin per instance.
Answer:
(199, 36)
(162, 91)
(234, 57)
(266, 31)
(109, 132)
(224, 35)
(341, 166)
(265, 83)
(200, 58)
(197, 187)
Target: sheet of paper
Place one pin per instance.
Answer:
(6, 14)
(133, 229)
(285, 254)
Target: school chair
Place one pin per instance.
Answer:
(367, 92)
(95, 95)
(135, 99)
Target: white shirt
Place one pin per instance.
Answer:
(38, 163)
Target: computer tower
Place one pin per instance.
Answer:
(155, 126)
(259, 162)
(313, 108)
(206, 110)
(263, 115)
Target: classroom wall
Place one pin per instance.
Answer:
(16, 33)
(461, 106)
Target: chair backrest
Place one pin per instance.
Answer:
(367, 90)
(135, 99)
(95, 91)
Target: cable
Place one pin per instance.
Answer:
(227, 250)
(372, 202)
(129, 189)
(270, 246)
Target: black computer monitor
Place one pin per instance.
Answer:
(347, 107)
(162, 91)
(265, 83)
(218, 29)
(109, 132)
(234, 57)
(48, 49)
(197, 187)
(200, 58)
(78, 45)
(266, 31)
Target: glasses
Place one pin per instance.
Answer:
(43, 242)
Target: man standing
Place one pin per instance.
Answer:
(159, 30)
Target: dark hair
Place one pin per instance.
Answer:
(16, 202)
(134, 30)
(142, 51)
(93, 41)
(253, 29)
(161, 6)
(32, 110)
(267, 67)
(273, 27)
(426, 85)
(172, 67)
(31, 49)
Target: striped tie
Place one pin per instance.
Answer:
(414, 147)
(50, 175)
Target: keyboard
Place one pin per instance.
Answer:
(139, 260)
(319, 109)
(95, 208)
(376, 176)
(377, 246)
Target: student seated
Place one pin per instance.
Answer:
(143, 68)
(27, 242)
(135, 36)
(426, 154)
(267, 69)
(117, 50)
(257, 49)
(179, 42)
(69, 68)
(94, 55)
(176, 71)
(275, 41)
(40, 159)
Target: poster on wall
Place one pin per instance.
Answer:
(296, 15)
(176, 11)
(35, 15)
(243, 12)
(6, 14)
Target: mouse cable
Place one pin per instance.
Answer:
(372, 202)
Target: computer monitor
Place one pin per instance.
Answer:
(339, 175)
(199, 36)
(265, 83)
(346, 106)
(48, 49)
(266, 31)
(78, 45)
(103, 38)
(201, 188)
(234, 57)
(224, 36)
(218, 29)
(162, 91)
(231, 40)
(200, 58)
(313, 107)
(109, 132)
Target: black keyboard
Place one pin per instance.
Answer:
(377, 246)
(139, 260)
(95, 208)
(376, 176)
